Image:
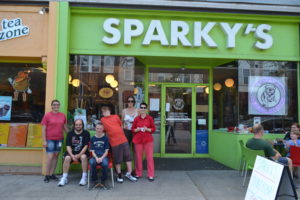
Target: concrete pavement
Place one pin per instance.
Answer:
(168, 185)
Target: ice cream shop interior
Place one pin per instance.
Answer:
(207, 77)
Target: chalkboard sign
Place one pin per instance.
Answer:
(269, 181)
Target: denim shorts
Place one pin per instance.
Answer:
(283, 160)
(54, 146)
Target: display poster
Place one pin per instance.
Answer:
(154, 104)
(267, 95)
(127, 64)
(17, 135)
(265, 179)
(201, 121)
(80, 114)
(139, 97)
(5, 107)
(109, 64)
(256, 120)
(168, 107)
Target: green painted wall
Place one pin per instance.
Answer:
(224, 147)
(87, 33)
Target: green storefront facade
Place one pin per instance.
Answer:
(180, 42)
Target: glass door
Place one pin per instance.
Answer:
(177, 120)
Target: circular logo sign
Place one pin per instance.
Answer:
(267, 95)
(178, 104)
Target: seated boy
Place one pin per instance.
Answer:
(118, 142)
(99, 149)
(77, 150)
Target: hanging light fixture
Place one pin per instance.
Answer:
(135, 90)
(76, 82)
(114, 84)
(109, 78)
(70, 79)
(217, 86)
(229, 82)
(207, 90)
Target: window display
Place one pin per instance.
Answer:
(259, 92)
(22, 104)
(99, 80)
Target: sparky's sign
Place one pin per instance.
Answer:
(13, 28)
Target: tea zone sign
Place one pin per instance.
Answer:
(13, 28)
(179, 31)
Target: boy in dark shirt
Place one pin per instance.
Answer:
(99, 149)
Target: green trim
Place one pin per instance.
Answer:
(164, 13)
(156, 155)
(146, 84)
(163, 121)
(62, 63)
(179, 54)
(179, 84)
(298, 87)
(193, 128)
(201, 156)
(21, 148)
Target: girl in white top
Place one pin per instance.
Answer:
(128, 115)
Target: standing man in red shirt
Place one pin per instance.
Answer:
(142, 128)
(118, 141)
(54, 123)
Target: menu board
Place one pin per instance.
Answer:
(34, 137)
(17, 135)
(265, 179)
(4, 132)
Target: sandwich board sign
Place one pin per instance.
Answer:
(270, 181)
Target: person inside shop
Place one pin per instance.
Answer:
(77, 151)
(118, 142)
(294, 127)
(257, 143)
(142, 128)
(99, 149)
(128, 115)
(54, 123)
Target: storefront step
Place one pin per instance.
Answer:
(187, 164)
(24, 170)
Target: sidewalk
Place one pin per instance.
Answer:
(168, 185)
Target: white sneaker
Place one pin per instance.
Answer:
(120, 179)
(130, 177)
(62, 182)
(82, 181)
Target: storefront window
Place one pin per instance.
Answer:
(178, 75)
(22, 104)
(99, 80)
(22, 92)
(257, 92)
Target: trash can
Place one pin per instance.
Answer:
(202, 141)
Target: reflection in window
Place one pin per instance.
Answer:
(178, 75)
(25, 84)
(103, 80)
(263, 92)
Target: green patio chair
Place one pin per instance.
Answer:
(250, 157)
(243, 161)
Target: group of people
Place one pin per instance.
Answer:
(290, 139)
(112, 134)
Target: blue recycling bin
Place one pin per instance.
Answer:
(202, 141)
